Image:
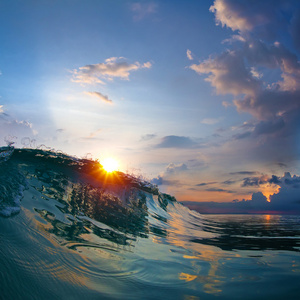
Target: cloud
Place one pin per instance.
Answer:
(240, 136)
(269, 127)
(234, 38)
(141, 10)
(263, 32)
(168, 177)
(295, 29)
(16, 129)
(189, 54)
(244, 173)
(1, 109)
(100, 96)
(205, 183)
(173, 168)
(255, 181)
(148, 137)
(228, 74)
(229, 182)
(161, 180)
(173, 141)
(114, 67)
(264, 18)
(219, 190)
(226, 104)
(285, 199)
(210, 121)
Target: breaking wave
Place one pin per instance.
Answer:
(71, 230)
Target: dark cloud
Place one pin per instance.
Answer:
(281, 165)
(205, 183)
(295, 29)
(269, 127)
(244, 173)
(274, 179)
(288, 197)
(255, 181)
(258, 203)
(148, 137)
(240, 136)
(261, 180)
(219, 190)
(229, 182)
(285, 201)
(174, 141)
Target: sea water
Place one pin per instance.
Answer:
(69, 232)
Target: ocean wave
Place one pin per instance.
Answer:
(72, 230)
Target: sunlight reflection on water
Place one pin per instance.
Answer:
(74, 240)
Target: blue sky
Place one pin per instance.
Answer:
(201, 97)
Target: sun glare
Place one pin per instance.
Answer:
(109, 164)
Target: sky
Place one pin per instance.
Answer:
(201, 98)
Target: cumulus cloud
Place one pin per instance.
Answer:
(99, 96)
(173, 168)
(16, 129)
(228, 74)
(168, 177)
(1, 109)
(243, 70)
(245, 16)
(174, 141)
(114, 67)
(162, 180)
(141, 10)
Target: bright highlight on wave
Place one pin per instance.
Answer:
(109, 164)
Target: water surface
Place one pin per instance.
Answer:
(69, 232)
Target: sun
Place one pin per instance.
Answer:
(109, 164)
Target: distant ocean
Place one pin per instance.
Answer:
(70, 231)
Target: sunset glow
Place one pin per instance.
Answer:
(109, 164)
(211, 119)
(269, 189)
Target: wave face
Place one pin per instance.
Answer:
(69, 230)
